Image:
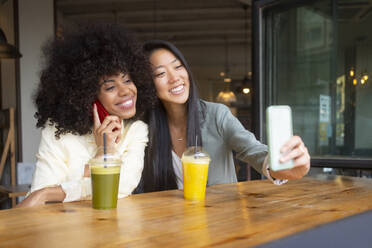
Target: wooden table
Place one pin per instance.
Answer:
(236, 215)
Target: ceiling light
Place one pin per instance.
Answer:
(351, 73)
(246, 90)
(226, 97)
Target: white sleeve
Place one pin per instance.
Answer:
(76, 190)
(133, 158)
(53, 168)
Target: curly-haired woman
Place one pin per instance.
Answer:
(101, 66)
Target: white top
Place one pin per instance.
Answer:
(177, 167)
(62, 161)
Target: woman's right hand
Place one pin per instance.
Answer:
(111, 126)
(36, 198)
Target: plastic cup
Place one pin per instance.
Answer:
(195, 163)
(105, 176)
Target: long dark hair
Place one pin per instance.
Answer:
(158, 173)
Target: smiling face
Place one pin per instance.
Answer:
(118, 95)
(170, 77)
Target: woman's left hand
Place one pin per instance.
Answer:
(295, 150)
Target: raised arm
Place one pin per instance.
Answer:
(250, 150)
(240, 140)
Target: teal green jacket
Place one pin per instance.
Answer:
(223, 133)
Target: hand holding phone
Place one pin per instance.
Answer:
(111, 127)
(279, 131)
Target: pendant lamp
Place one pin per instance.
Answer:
(226, 96)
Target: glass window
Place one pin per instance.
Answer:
(317, 61)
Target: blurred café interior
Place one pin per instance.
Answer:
(313, 55)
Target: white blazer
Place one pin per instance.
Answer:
(62, 161)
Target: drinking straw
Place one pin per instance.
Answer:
(196, 145)
(104, 148)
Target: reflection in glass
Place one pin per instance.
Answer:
(317, 62)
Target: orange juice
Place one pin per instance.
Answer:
(195, 174)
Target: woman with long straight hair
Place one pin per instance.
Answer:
(180, 118)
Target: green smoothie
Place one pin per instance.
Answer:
(105, 184)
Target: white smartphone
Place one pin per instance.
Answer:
(279, 131)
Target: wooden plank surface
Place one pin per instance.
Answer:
(236, 215)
